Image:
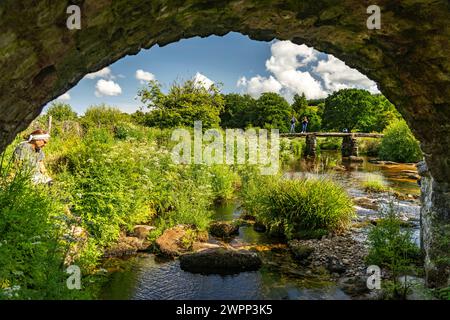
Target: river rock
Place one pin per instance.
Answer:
(300, 252)
(126, 246)
(259, 227)
(355, 159)
(334, 265)
(354, 286)
(376, 161)
(141, 231)
(223, 229)
(220, 261)
(366, 203)
(247, 217)
(177, 240)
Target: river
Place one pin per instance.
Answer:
(146, 276)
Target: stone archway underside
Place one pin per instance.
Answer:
(408, 58)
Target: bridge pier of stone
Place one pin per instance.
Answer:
(349, 146)
(311, 145)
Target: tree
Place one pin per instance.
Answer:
(357, 110)
(300, 104)
(182, 105)
(239, 111)
(273, 111)
(61, 111)
(308, 108)
(399, 144)
(103, 116)
(314, 118)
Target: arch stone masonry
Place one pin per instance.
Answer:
(41, 59)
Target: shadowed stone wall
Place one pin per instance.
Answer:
(41, 59)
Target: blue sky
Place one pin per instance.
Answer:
(241, 64)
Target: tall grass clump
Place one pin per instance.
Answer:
(374, 183)
(399, 144)
(298, 208)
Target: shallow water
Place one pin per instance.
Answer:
(145, 276)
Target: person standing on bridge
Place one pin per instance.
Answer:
(293, 121)
(304, 124)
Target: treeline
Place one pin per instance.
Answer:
(352, 109)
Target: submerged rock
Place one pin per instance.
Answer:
(220, 261)
(354, 286)
(301, 253)
(223, 229)
(259, 227)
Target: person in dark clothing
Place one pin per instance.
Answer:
(293, 121)
(304, 124)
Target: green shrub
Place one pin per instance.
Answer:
(103, 116)
(392, 247)
(223, 182)
(61, 112)
(298, 207)
(32, 251)
(369, 146)
(108, 185)
(399, 144)
(330, 143)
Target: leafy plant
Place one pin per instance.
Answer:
(391, 247)
(399, 144)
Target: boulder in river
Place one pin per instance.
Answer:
(223, 229)
(126, 246)
(178, 240)
(220, 261)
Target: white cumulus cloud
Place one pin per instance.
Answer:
(257, 85)
(302, 69)
(64, 97)
(107, 88)
(104, 73)
(337, 75)
(144, 76)
(201, 80)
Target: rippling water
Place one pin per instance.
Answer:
(151, 280)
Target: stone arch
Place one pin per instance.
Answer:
(408, 58)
